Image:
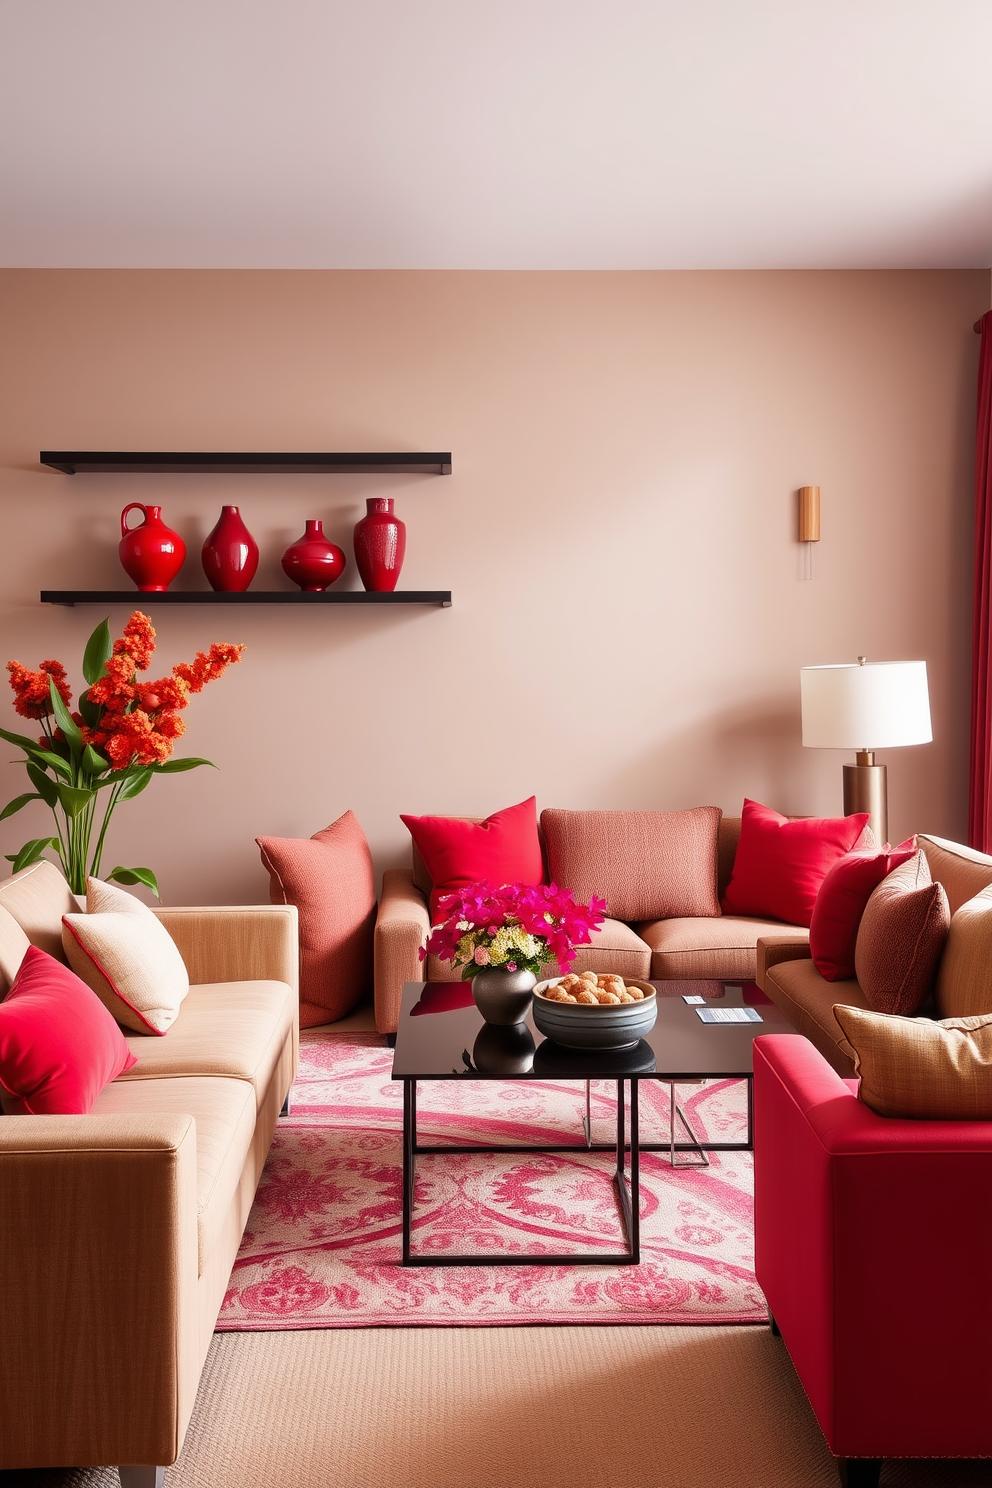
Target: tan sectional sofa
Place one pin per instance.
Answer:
(119, 1228)
(964, 981)
(696, 948)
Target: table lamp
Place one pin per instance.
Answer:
(868, 706)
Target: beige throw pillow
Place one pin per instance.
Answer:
(901, 937)
(918, 1068)
(127, 957)
(964, 982)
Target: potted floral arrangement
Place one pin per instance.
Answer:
(501, 938)
(87, 762)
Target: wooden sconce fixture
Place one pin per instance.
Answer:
(809, 525)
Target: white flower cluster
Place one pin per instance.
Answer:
(510, 943)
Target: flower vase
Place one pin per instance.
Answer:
(380, 545)
(503, 997)
(312, 561)
(151, 553)
(230, 553)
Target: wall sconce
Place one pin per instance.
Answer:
(809, 525)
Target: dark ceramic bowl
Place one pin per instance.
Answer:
(578, 1026)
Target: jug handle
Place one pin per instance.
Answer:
(134, 506)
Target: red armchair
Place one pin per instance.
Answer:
(873, 1241)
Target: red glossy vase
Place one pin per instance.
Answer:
(151, 554)
(230, 553)
(380, 545)
(313, 562)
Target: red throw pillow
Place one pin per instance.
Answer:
(505, 848)
(59, 1046)
(329, 878)
(780, 864)
(833, 930)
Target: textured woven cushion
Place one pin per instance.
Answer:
(963, 871)
(780, 864)
(914, 1067)
(833, 930)
(505, 848)
(718, 948)
(647, 865)
(902, 934)
(964, 980)
(329, 878)
(127, 957)
(59, 1046)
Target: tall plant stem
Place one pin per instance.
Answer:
(98, 850)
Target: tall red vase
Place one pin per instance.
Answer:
(230, 553)
(151, 554)
(313, 562)
(380, 545)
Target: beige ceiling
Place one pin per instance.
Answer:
(586, 134)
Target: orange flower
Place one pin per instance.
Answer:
(206, 666)
(170, 724)
(32, 696)
(138, 641)
(167, 692)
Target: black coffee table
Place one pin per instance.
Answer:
(441, 1035)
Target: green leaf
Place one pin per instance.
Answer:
(53, 762)
(92, 712)
(135, 782)
(16, 804)
(73, 799)
(63, 718)
(136, 875)
(176, 766)
(99, 649)
(31, 745)
(94, 762)
(31, 852)
(47, 789)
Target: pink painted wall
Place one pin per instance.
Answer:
(629, 616)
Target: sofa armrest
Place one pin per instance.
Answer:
(773, 949)
(237, 943)
(401, 929)
(98, 1272)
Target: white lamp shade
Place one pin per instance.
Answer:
(877, 705)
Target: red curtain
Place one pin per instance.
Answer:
(980, 792)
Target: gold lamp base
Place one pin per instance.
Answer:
(866, 789)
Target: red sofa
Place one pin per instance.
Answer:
(872, 1245)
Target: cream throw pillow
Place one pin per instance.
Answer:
(918, 1068)
(127, 957)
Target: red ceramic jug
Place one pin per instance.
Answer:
(313, 562)
(230, 553)
(380, 545)
(151, 554)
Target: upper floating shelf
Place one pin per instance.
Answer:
(85, 462)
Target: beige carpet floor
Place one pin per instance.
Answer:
(624, 1407)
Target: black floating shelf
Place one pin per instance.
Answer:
(440, 597)
(83, 462)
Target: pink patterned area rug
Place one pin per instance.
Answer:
(322, 1246)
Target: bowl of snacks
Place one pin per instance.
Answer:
(593, 1011)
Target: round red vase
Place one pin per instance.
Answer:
(230, 553)
(151, 554)
(380, 545)
(313, 562)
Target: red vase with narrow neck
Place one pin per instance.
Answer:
(230, 553)
(380, 545)
(151, 553)
(313, 562)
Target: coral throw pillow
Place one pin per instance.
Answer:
(59, 1046)
(128, 958)
(920, 1069)
(329, 878)
(833, 930)
(780, 864)
(505, 848)
(901, 939)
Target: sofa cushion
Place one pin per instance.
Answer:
(840, 905)
(329, 878)
(808, 1002)
(458, 851)
(232, 1029)
(59, 1046)
(921, 1069)
(646, 864)
(698, 948)
(128, 957)
(614, 946)
(38, 897)
(781, 863)
(901, 937)
(963, 871)
(964, 978)
(13, 944)
(224, 1112)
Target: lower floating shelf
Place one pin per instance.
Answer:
(440, 597)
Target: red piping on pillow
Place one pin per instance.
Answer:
(136, 1011)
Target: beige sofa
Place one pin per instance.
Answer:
(721, 947)
(119, 1228)
(964, 981)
